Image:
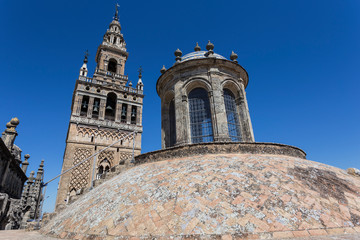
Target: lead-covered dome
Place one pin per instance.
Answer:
(199, 55)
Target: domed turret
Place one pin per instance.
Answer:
(206, 91)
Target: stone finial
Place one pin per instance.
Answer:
(163, 70)
(10, 126)
(210, 48)
(130, 84)
(354, 171)
(31, 177)
(197, 48)
(40, 171)
(178, 55)
(233, 56)
(25, 163)
(10, 133)
(41, 167)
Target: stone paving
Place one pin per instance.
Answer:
(227, 196)
(22, 235)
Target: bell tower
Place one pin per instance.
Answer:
(105, 108)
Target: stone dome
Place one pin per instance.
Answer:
(211, 195)
(198, 55)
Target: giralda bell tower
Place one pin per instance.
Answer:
(104, 109)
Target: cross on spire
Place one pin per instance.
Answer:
(116, 17)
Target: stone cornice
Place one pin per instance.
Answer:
(205, 62)
(105, 123)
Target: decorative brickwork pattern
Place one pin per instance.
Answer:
(80, 175)
(109, 155)
(108, 134)
(124, 156)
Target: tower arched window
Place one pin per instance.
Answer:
(172, 123)
(96, 108)
(200, 116)
(110, 108)
(124, 112)
(115, 38)
(104, 167)
(133, 114)
(232, 116)
(84, 106)
(112, 65)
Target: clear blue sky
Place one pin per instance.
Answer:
(303, 60)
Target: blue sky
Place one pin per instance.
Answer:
(302, 57)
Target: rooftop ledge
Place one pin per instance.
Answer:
(220, 147)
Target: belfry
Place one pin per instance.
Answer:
(105, 108)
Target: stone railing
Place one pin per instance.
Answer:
(111, 74)
(101, 82)
(220, 147)
(105, 123)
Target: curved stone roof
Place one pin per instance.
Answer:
(210, 195)
(198, 55)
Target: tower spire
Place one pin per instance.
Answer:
(116, 16)
(86, 56)
(83, 69)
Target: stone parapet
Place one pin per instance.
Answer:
(221, 147)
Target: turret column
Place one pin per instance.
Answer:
(138, 116)
(77, 105)
(118, 111)
(128, 114)
(181, 116)
(245, 122)
(102, 109)
(90, 107)
(218, 111)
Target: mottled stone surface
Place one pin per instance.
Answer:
(217, 196)
(34, 235)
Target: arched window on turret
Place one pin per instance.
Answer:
(110, 108)
(84, 106)
(200, 116)
(115, 38)
(112, 65)
(232, 116)
(172, 123)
